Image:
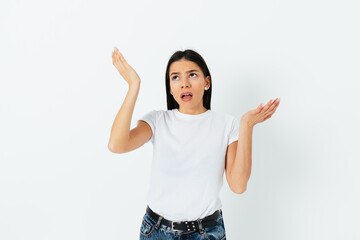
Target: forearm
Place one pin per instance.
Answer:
(120, 131)
(241, 169)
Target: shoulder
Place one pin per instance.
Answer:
(155, 112)
(151, 116)
(160, 113)
(226, 117)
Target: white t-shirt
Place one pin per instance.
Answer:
(188, 162)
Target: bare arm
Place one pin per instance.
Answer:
(120, 131)
(240, 169)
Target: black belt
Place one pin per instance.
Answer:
(199, 224)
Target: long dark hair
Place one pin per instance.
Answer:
(193, 56)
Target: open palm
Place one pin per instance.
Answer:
(261, 113)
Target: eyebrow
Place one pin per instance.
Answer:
(187, 71)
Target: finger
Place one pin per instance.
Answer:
(266, 107)
(123, 61)
(274, 109)
(267, 117)
(274, 104)
(118, 56)
(271, 105)
(276, 101)
(114, 55)
(121, 56)
(116, 51)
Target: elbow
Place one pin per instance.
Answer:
(113, 149)
(118, 146)
(239, 190)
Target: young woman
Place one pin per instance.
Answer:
(193, 146)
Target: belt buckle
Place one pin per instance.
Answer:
(201, 229)
(172, 225)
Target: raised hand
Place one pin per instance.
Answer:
(125, 70)
(261, 113)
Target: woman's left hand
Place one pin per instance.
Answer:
(261, 113)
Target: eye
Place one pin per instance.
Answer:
(174, 77)
(193, 73)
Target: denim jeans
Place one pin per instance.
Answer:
(163, 232)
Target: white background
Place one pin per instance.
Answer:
(60, 93)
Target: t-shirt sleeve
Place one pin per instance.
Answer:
(150, 118)
(234, 130)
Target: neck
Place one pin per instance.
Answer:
(192, 110)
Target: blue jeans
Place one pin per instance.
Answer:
(163, 232)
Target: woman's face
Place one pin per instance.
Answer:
(186, 76)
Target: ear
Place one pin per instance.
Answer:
(207, 82)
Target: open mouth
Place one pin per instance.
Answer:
(186, 95)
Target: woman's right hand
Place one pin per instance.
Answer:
(126, 71)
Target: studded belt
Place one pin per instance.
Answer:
(199, 224)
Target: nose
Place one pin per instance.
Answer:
(185, 83)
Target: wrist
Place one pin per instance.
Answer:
(246, 123)
(134, 84)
